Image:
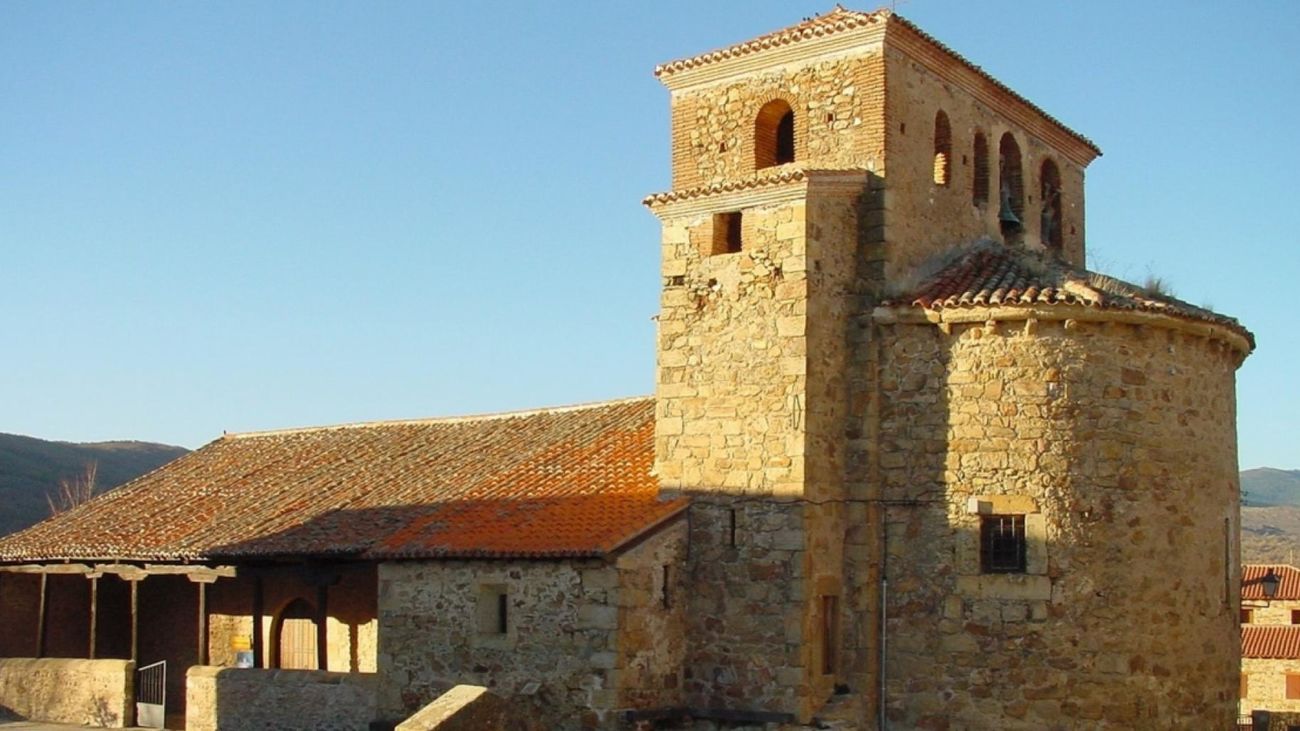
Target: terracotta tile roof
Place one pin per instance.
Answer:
(992, 274)
(1252, 574)
(762, 181)
(1270, 641)
(558, 482)
(838, 20)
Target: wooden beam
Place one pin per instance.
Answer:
(135, 622)
(94, 613)
(259, 652)
(40, 615)
(322, 628)
(47, 568)
(129, 572)
(203, 623)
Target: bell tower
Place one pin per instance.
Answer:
(813, 170)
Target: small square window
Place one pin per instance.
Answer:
(1002, 544)
(1295, 616)
(493, 610)
(727, 232)
(1292, 686)
(1247, 615)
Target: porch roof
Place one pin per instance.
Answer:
(562, 482)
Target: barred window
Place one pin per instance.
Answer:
(1002, 544)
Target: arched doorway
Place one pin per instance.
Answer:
(294, 637)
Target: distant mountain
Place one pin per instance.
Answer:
(31, 469)
(1267, 486)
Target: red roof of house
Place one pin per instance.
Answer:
(557, 482)
(1274, 641)
(1252, 576)
(993, 274)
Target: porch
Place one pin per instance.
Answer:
(301, 615)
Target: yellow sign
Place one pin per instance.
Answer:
(241, 642)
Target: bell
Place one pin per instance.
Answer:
(1006, 216)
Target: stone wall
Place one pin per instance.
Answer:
(1277, 611)
(1265, 683)
(83, 692)
(751, 400)
(232, 699)
(584, 638)
(1117, 442)
(838, 106)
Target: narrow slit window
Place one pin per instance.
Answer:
(666, 594)
(731, 527)
(493, 610)
(1002, 544)
(829, 633)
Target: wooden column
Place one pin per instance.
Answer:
(259, 653)
(94, 613)
(203, 623)
(135, 620)
(40, 615)
(322, 627)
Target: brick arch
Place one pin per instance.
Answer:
(1011, 188)
(942, 149)
(768, 111)
(1050, 216)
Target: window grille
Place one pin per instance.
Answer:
(1002, 544)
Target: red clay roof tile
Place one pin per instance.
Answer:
(1270, 641)
(992, 274)
(558, 482)
(1253, 574)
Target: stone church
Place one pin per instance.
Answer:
(908, 465)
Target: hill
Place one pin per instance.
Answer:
(1267, 486)
(30, 469)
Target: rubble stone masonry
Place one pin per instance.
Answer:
(1117, 443)
(582, 640)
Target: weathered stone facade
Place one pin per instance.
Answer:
(582, 639)
(81, 692)
(233, 699)
(833, 452)
(1264, 684)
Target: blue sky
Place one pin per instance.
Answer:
(237, 216)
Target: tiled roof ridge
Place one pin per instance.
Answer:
(750, 183)
(987, 273)
(835, 20)
(462, 419)
(840, 19)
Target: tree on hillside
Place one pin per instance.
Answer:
(74, 491)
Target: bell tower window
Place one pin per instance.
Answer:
(980, 185)
(774, 135)
(1050, 221)
(1011, 191)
